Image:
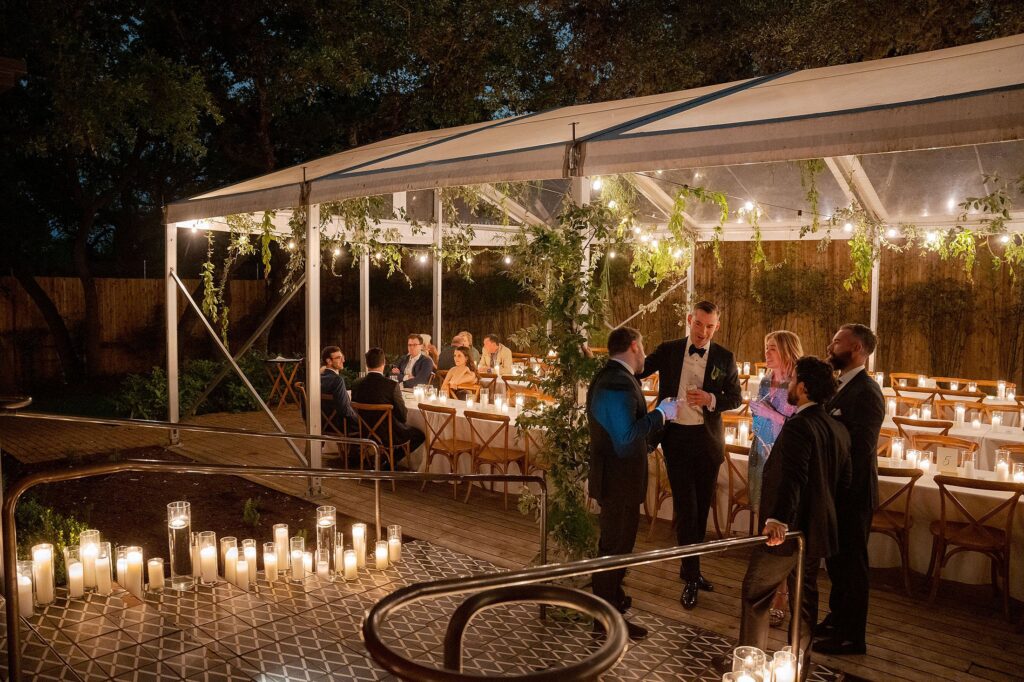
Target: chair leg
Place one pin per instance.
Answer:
(714, 513)
(426, 467)
(938, 558)
(473, 469)
(994, 570)
(1006, 586)
(904, 540)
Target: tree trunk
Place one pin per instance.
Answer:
(70, 364)
(91, 328)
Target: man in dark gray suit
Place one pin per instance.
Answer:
(807, 472)
(622, 432)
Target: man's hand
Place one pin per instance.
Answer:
(669, 408)
(775, 531)
(698, 398)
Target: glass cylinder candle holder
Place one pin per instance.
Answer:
(104, 564)
(1018, 472)
(307, 562)
(1002, 464)
(88, 548)
(197, 564)
(326, 530)
(961, 412)
(972, 386)
(270, 561)
(469, 402)
(914, 413)
(381, 555)
(208, 557)
(155, 574)
(880, 378)
(485, 397)
(442, 397)
(281, 545)
(339, 553)
(748, 659)
(394, 543)
(133, 570)
(359, 543)
(926, 412)
(121, 563)
(997, 421)
(784, 666)
(229, 557)
(896, 445)
(743, 433)
(922, 381)
(760, 373)
(746, 368)
(249, 554)
(75, 571)
(969, 462)
(890, 406)
(912, 457)
(298, 566)
(499, 402)
(1001, 389)
(903, 383)
(179, 543)
(25, 600)
(730, 435)
(42, 578)
(924, 461)
(351, 565)
(976, 423)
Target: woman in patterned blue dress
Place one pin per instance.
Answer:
(769, 411)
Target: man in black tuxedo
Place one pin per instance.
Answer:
(807, 472)
(622, 432)
(377, 389)
(703, 376)
(332, 382)
(859, 406)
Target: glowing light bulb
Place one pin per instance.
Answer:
(611, 254)
(337, 251)
(508, 260)
(658, 172)
(696, 176)
(677, 254)
(469, 259)
(596, 184)
(848, 227)
(891, 234)
(423, 258)
(613, 204)
(951, 203)
(931, 237)
(1005, 239)
(654, 243)
(645, 238)
(636, 229)
(749, 206)
(291, 244)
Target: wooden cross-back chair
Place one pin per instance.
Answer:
(376, 423)
(885, 436)
(739, 490)
(488, 382)
(908, 427)
(662, 488)
(910, 377)
(437, 378)
(931, 442)
(651, 381)
(961, 395)
(988, 411)
(976, 531)
(534, 442)
(514, 387)
(893, 519)
(492, 449)
(328, 423)
(946, 409)
(905, 403)
(439, 424)
(1016, 451)
(651, 398)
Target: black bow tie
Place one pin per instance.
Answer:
(698, 351)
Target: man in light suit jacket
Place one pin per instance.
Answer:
(807, 474)
(495, 355)
(859, 406)
(703, 376)
(415, 367)
(622, 432)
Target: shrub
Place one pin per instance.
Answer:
(37, 524)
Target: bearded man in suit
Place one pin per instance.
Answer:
(703, 376)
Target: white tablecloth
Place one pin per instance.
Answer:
(988, 440)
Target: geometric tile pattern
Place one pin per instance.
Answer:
(283, 631)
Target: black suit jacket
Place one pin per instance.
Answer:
(808, 470)
(332, 382)
(420, 371)
(860, 407)
(618, 468)
(376, 389)
(720, 379)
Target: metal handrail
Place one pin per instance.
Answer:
(404, 667)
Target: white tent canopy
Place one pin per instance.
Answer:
(950, 116)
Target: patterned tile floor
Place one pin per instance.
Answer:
(311, 632)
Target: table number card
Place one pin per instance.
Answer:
(946, 460)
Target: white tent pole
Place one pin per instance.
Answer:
(691, 269)
(171, 318)
(313, 339)
(876, 273)
(364, 307)
(438, 218)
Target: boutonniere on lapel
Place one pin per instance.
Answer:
(717, 373)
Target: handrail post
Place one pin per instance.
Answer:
(797, 610)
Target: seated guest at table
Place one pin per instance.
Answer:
(332, 382)
(446, 358)
(770, 410)
(462, 375)
(414, 368)
(473, 352)
(429, 348)
(805, 479)
(376, 389)
(495, 355)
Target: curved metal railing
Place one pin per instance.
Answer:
(17, 488)
(520, 586)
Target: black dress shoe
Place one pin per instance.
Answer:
(635, 632)
(625, 604)
(689, 598)
(824, 630)
(836, 647)
(703, 584)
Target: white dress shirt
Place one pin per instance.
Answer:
(692, 374)
(408, 367)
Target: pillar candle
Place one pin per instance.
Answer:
(76, 587)
(134, 572)
(270, 565)
(359, 543)
(382, 555)
(351, 565)
(323, 569)
(298, 569)
(42, 558)
(395, 550)
(155, 573)
(89, 553)
(104, 585)
(242, 574)
(122, 571)
(307, 561)
(25, 596)
(249, 551)
(281, 543)
(231, 565)
(1002, 471)
(208, 559)
(961, 413)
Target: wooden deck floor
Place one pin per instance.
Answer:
(960, 637)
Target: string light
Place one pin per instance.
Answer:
(423, 258)
(291, 244)
(611, 254)
(951, 203)
(659, 172)
(891, 234)
(749, 206)
(613, 204)
(596, 184)
(508, 260)
(645, 238)
(1005, 239)
(931, 237)
(677, 254)
(654, 243)
(337, 251)
(636, 229)
(848, 227)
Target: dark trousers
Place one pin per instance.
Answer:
(765, 573)
(692, 460)
(619, 523)
(848, 570)
(403, 433)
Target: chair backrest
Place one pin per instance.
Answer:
(734, 419)
(488, 382)
(521, 356)
(905, 403)
(437, 378)
(909, 377)
(304, 399)
(989, 411)
(534, 443)
(737, 478)
(932, 442)
(925, 395)
(947, 383)
(979, 524)
(884, 448)
(905, 491)
(946, 409)
(1016, 451)
(651, 382)
(375, 422)
(498, 439)
(907, 426)
(959, 396)
(436, 421)
(651, 398)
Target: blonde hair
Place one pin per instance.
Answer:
(789, 346)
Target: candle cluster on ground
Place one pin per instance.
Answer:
(750, 664)
(93, 565)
